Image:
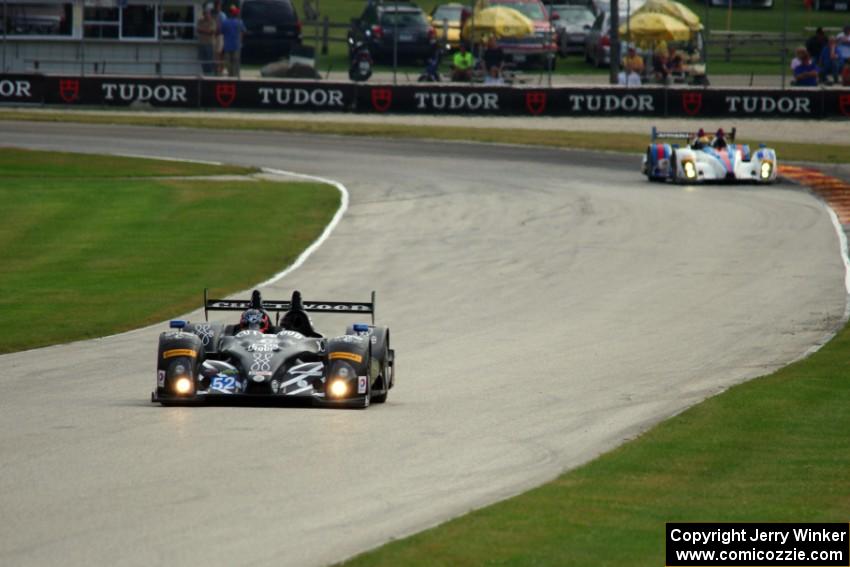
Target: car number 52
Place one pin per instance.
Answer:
(223, 383)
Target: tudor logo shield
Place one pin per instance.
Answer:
(844, 104)
(225, 94)
(382, 99)
(691, 103)
(535, 102)
(69, 89)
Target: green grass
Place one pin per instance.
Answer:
(29, 163)
(776, 449)
(767, 20)
(86, 256)
(624, 142)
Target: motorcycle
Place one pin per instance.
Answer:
(361, 61)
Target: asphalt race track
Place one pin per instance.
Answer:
(545, 305)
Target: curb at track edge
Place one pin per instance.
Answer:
(845, 260)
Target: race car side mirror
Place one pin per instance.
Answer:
(177, 324)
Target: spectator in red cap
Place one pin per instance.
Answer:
(232, 29)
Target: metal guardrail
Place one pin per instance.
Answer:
(322, 32)
(99, 66)
(746, 45)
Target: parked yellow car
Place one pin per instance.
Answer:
(446, 20)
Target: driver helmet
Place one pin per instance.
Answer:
(719, 139)
(255, 320)
(701, 138)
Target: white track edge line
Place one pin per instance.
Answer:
(343, 207)
(842, 240)
(845, 260)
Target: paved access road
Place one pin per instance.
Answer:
(545, 305)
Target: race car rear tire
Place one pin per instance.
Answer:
(386, 379)
(649, 176)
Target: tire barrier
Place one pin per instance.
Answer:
(424, 99)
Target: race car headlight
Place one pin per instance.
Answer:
(339, 388)
(183, 385)
(690, 169)
(766, 169)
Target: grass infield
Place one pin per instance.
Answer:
(20, 163)
(622, 142)
(775, 449)
(94, 245)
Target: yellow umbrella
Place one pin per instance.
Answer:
(649, 27)
(497, 21)
(674, 9)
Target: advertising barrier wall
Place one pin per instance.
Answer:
(425, 98)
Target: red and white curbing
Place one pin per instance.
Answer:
(835, 194)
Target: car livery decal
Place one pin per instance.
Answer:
(179, 352)
(345, 356)
(724, 156)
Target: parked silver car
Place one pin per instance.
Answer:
(572, 22)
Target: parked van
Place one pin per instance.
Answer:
(273, 28)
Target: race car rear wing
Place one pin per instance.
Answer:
(656, 134)
(256, 302)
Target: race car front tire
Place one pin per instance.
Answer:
(674, 168)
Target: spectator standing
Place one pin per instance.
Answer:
(220, 18)
(806, 73)
(816, 43)
(207, 27)
(661, 67)
(494, 57)
(676, 66)
(829, 61)
(798, 57)
(843, 40)
(232, 31)
(633, 67)
(462, 65)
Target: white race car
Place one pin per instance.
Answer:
(705, 158)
